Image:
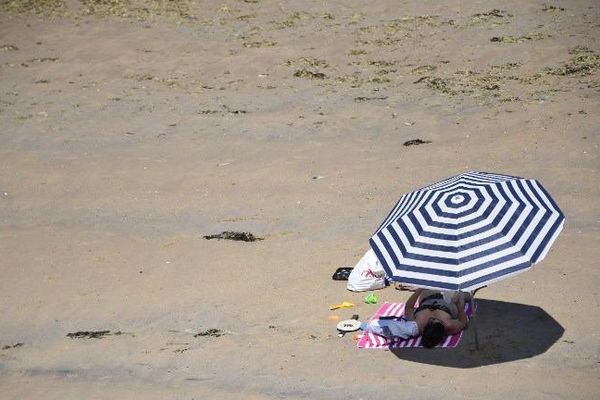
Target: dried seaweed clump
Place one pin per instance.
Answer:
(307, 62)
(305, 73)
(423, 69)
(258, 44)
(495, 16)
(583, 62)
(292, 19)
(210, 333)
(308, 67)
(442, 85)
(518, 39)
(42, 7)
(552, 8)
(411, 21)
(480, 85)
(232, 235)
(88, 334)
(138, 9)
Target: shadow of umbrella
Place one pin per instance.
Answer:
(507, 332)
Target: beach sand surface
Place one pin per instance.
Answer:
(130, 130)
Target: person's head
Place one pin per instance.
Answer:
(433, 333)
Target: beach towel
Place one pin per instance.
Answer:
(370, 340)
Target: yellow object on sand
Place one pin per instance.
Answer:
(345, 304)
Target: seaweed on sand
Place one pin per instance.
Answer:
(495, 16)
(308, 67)
(518, 39)
(416, 142)
(88, 334)
(231, 235)
(141, 10)
(210, 332)
(42, 7)
(305, 73)
(583, 62)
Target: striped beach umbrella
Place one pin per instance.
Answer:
(467, 231)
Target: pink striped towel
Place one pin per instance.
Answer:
(372, 341)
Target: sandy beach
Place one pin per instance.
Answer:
(132, 129)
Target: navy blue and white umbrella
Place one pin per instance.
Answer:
(467, 231)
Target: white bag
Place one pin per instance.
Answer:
(368, 274)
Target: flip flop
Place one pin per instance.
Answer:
(342, 274)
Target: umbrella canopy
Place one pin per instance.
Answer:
(467, 231)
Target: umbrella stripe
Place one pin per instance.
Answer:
(491, 255)
(472, 176)
(546, 197)
(541, 252)
(496, 198)
(466, 285)
(463, 231)
(408, 202)
(438, 211)
(483, 279)
(399, 208)
(421, 277)
(480, 215)
(463, 239)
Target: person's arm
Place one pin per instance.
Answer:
(461, 322)
(409, 309)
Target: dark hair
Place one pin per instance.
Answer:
(433, 333)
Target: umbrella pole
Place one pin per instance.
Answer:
(472, 322)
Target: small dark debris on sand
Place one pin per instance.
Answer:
(416, 142)
(363, 98)
(14, 346)
(304, 73)
(88, 334)
(231, 235)
(210, 332)
(226, 110)
(495, 13)
(552, 8)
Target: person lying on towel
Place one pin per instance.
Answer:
(439, 314)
